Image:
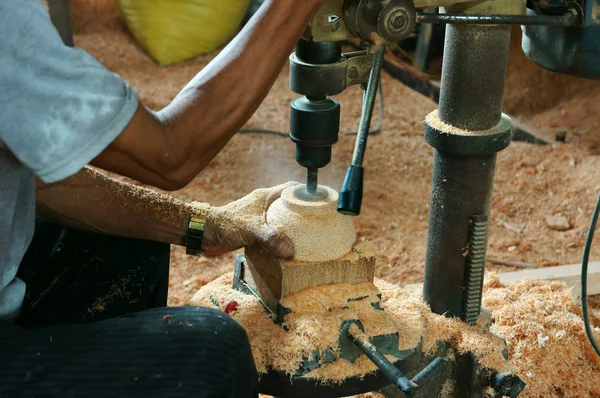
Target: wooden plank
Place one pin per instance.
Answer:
(570, 274)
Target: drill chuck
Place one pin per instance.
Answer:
(314, 127)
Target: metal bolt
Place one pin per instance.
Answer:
(398, 20)
(353, 73)
(503, 383)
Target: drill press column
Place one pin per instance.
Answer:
(467, 132)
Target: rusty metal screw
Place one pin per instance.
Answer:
(353, 73)
(398, 20)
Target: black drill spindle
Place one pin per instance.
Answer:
(312, 175)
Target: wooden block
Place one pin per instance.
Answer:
(570, 274)
(274, 278)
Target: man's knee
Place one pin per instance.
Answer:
(219, 331)
(217, 348)
(190, 351)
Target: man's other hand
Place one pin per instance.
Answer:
(244, 222)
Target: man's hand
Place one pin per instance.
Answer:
(91, 201)
(243, 223)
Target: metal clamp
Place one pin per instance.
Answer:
(329, 79)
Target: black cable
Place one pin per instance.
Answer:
(584, 271)
(375, 131)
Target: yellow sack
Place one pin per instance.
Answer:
(174, 30)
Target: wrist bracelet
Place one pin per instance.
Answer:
(196, 226)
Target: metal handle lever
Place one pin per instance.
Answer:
(408, 387)
(350, 199)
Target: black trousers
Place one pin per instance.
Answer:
(95, 323)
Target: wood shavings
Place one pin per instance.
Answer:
(464, 338)
(433, 119)
(362, 367)
(317, 314)
(447, 390)
(314, 323)
(541, 322)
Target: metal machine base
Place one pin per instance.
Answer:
(280, 384)
(412, 363)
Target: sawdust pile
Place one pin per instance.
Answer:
(94, 14)
(541, 322)
(464, 338)
(557, 103)
(316, 316)
(313, 327)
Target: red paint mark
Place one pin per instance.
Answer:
(232, 306)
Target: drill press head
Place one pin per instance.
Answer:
(315, 118)
(319, 69)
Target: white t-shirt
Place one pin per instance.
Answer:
(59, 109)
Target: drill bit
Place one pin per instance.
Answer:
(312, 174)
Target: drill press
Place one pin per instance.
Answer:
(319, 70)
(466, 132)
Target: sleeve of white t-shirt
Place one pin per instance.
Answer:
(59, 107)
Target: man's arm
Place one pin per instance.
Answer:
(169, 148)
(94, 202)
